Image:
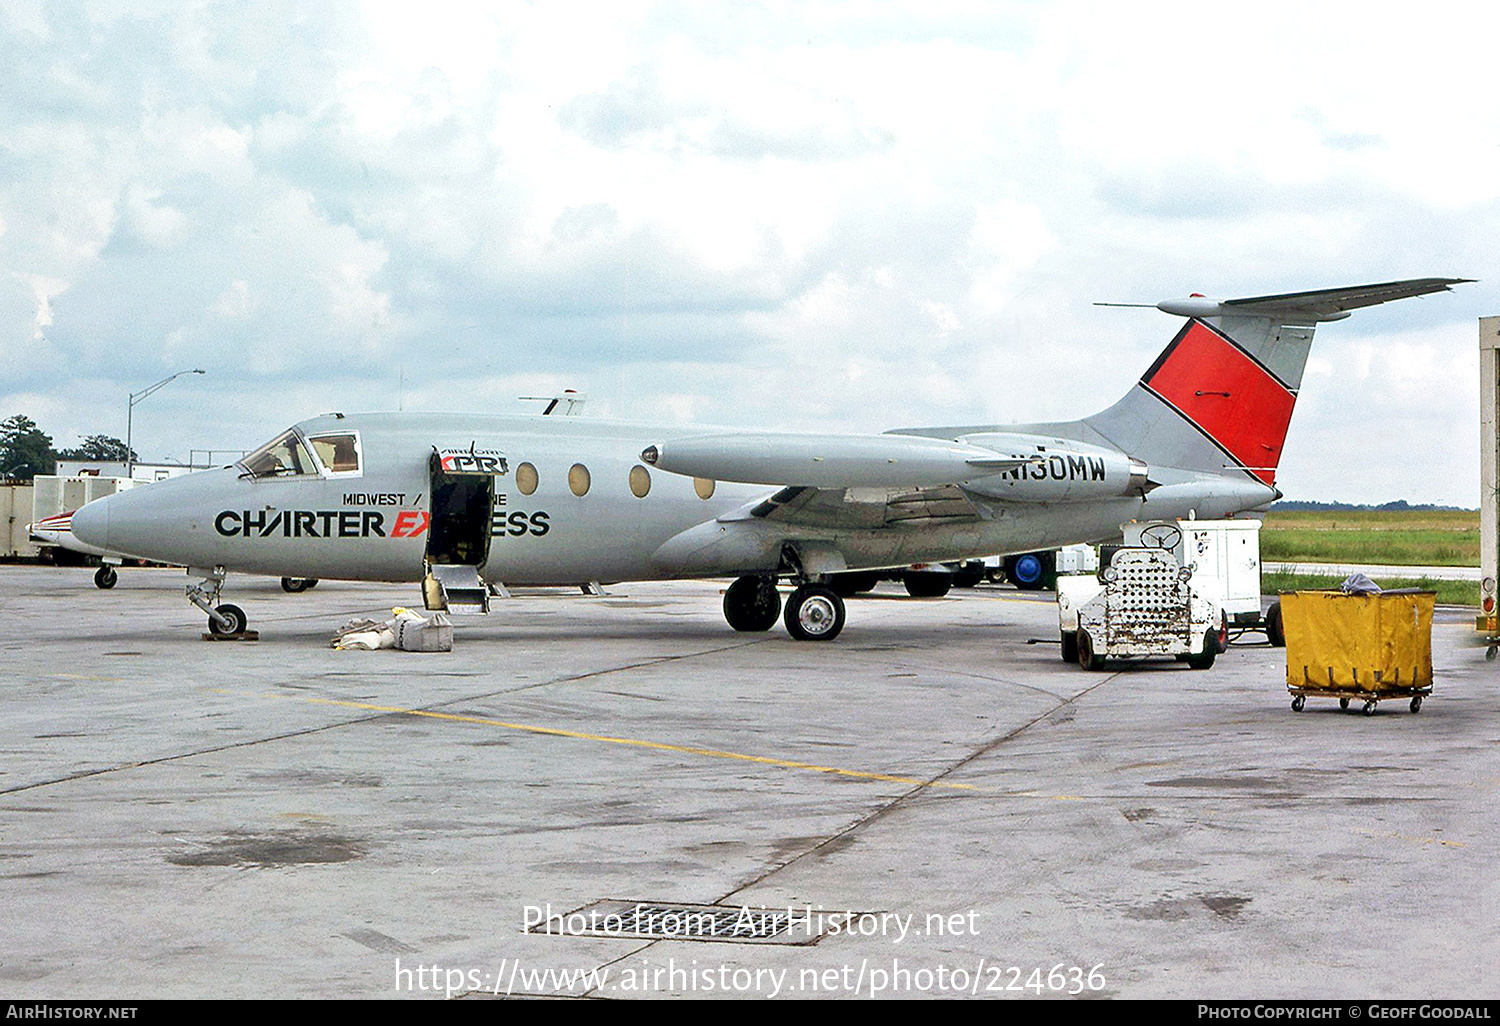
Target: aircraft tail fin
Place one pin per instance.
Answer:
(1219, 398)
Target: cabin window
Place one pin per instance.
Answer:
(339, 453)
(640, 481)
(284, 456)
(578, 479)
(704, 486)
(526, 479)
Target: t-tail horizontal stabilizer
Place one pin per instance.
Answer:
(1309, 307)
(1219, 398)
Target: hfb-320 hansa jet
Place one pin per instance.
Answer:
(468, 504)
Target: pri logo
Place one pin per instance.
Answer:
(473, 461)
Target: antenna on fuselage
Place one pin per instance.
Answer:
(574, 400)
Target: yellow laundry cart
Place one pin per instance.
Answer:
(1358, 648)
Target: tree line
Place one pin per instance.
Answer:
(26, 450)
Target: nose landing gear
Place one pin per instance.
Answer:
(225, 622)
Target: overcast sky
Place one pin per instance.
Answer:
(819, 216)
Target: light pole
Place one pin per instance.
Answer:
(136, 397)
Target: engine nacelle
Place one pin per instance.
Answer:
(831, 461)
(1059, 470)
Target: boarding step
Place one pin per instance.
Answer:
(455, 589)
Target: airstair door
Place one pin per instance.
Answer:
(458, 540)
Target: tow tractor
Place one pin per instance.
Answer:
(1140, 604)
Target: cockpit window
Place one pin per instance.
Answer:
(339, 453)
(282, 457)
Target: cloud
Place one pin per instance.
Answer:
(806, 215)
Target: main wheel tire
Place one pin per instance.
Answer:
(1204, 659)
(105, 577)
(927, 583)
(1275, 634)
(814, 612)
(853, 582)
(967, 578)
(237, 621)
(293, 585)
(752, 603)
(1070, 646)
(1087, 658)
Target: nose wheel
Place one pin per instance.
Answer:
(224, 620)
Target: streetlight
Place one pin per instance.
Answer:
(136, 397)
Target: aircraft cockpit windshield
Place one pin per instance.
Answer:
(283, 456)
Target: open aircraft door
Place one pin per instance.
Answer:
(458, 541)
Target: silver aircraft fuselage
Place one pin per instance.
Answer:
(466, 504)
(373, 524)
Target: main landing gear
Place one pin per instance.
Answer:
(752, 603)
(814, 612)
(224, 621)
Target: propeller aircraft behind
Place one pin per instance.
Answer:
(466, 504)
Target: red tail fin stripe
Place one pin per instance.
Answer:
(1227, 395)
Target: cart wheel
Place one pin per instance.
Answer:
(1416, 703)
(1370, 708)
(1343, 703)
(1275, 629)
(1489, 653)
(1087, 658)
(1298, 702)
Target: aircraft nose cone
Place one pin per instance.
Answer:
(91, 523)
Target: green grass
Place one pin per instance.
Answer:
(1449, 593)
(1397, 537)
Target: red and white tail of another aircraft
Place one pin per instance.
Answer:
(468, 503)
(58, 530)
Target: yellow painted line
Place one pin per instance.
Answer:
(1416, 840)
(660, 746)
